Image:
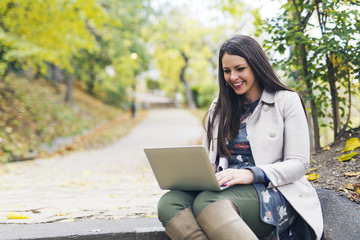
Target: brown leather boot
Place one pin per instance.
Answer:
(183, 226)
(221, 221)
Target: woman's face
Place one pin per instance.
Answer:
(240, 77)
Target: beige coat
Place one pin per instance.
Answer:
(279, 139)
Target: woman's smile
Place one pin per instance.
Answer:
(238, 85)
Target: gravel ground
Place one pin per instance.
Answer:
(335, 175)
(110, 183)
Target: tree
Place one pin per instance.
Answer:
(296, 18)
(31, 35)
(181, 53)
(337, 30)
(312, 56)
(123, 49)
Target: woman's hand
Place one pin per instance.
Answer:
(230, 177)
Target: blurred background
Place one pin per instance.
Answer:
(72, 70)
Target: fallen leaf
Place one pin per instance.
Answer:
(352, 174)
(16, 215)
(351, 144)
(355, 197)
(151, 216)
(62, 214)
(326, 148)
(312, 169)
(115, 196)
(347, 157)
(312, 177)
(358, 190)
(349, 186)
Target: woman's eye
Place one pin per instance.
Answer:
(240, 69)
(226, 71)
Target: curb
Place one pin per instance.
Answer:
(127, 229)
(341, 221)
(341, 216)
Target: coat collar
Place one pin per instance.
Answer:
(268, 97)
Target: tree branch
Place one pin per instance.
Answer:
(354, 3)
(304, 21)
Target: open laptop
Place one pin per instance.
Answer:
(182, 168)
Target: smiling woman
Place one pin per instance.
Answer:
(258, 143)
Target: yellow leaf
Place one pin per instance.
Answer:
(115, 196)
(351, 144)
(326, 148)
(15, 215)
(151, 216)
(312, 169)
(347, 157)
(312, 177)
(62, 214)
(349, 186)
(358, 190)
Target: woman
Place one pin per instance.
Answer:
(258, 142)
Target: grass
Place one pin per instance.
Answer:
(33, 113)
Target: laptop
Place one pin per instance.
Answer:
(182, 168)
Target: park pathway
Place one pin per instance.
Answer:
(110, 183)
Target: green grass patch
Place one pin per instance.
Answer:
(33, 112)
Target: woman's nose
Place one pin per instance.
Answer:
(233, 76)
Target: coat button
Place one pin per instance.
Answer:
(272, 134)
(266, 108)
(279, 182)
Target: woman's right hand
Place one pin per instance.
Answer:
(230, 177)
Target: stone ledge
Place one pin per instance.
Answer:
(341, 221)
(341, 216)
(127, 229)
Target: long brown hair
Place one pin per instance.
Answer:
(230, 105)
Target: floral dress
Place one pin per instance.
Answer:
(274, 209)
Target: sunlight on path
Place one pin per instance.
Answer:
(109, 183)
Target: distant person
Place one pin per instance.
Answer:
(258, 142)
(133, 108)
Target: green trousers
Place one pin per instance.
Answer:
(244, 197)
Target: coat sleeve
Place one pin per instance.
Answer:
(296, 143)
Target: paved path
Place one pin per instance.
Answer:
(110, 183)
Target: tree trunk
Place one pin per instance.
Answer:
(91, 83)
(55, 77)
(344, 127)
(6, 72)
(334, 96)
(314, 124)
(314, 115)
(69, 81)
(322, 17)
(189, 95)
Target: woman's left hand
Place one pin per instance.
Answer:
(230, 177)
